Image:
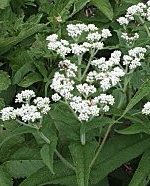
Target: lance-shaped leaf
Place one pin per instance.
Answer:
(30, 79)
(105, 7)
(47, 153)
(62, 176)
(82, 157)
(142, 172)
(18, 131)
(22, 168)
(116, 152)
(141, 93)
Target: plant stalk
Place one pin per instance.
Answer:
(82, 134)
(64, 161)
(144, 25)
(101, 145)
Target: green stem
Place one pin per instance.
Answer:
(88, 65)
(82, 134)
(64, 161)
(27, 125)
(79, 67)
(56, 152)
(46, 87)
(144, 25)
(101, 145)
(44, 137)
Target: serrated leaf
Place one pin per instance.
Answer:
(47, 153)
(82, 157)
(62, 176)
(22, 168)
(141, 93)
(142, 172)
(5, 178)
(105, 7)
(117, 151)
(18, 131)
(4, 80)
(30, 79)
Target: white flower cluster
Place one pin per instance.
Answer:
(86, 89)
(134, 57)
(108, 74)
(90, 108)
(130, 39)
(70, 68)
(27, 112)
(78, 95)
(24, 96)
(62, 85)
(61, 47)
(140, 9)
(146, 109)
(93, 39)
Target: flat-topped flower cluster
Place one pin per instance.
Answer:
(93, 39)
(82, 89)
(27, 112)
(140, 9)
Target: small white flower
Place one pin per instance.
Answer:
(42, 104)
(28, 113)
(106, 33)
(123, 21)
(52, 38)
(56, 97)
(8, 113)
(146, 109)
(78, 49)
(24, 96)
(93, 36)
(86, 89)
(92, 27)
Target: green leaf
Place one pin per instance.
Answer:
(40, 66)
(4, 80)
(30, 79)
(62, 176)
(82, 157)
(141, 93)
(47, 153)
(7, 43)
(105, 7)
(117, 151)
(97, 122)
(4, 4)
(65, 121)
(2, 103)
(26, 68)
(78, 5)
(22, 168)
(142, 172)
(18, 131)
(5, 178)
(135, 129)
